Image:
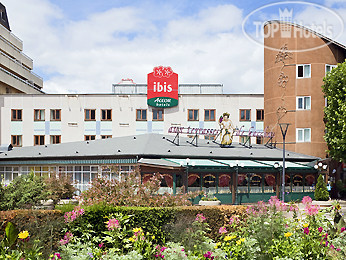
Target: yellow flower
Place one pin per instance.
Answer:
(132, 239)
(306, 225)
(217, 245)
(153, 237)
(23, 234)
(288, 234)
(136, 230)
(298, 219)
(227, 244)
(338, 207)
(242, 239)
(228, 238)
(238, 242)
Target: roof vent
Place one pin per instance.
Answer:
(10, 147)
(251, 153)
(169, 151)
(39, 153)
(87, 142)
(45, 146)
(76, 151)
(134, 137)
(163, 137)
(6, 154)
(211, 151)
(119, 151)
(208, 142)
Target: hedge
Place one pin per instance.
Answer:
(44, 225)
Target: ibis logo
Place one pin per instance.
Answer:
(162, 87)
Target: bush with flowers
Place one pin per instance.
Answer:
(268, 233)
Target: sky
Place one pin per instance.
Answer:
(85, 46)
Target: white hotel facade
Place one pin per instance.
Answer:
(40, 119)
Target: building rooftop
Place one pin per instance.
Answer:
(153, 146)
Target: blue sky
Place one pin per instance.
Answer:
(84, 46)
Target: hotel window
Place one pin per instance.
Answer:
(55, 139)
(106, 115)
(303, 103)
(259, 140)
(38, 139)
(192, 114)
(303, 135)
(89, 137)
(329, 68)
(259, 114)
(304, 71)
(16, 114)
(16, 140)
(245, 115)
(55, 115)
(89, 114)
(106, 136)
(209, 114)
(141, 114)
(157, 114)
(39, 115)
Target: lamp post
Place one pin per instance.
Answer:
(321, 167)
(187, 163)
(284, 128)
(236, 178)
(280, 166)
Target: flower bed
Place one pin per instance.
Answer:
(135, 233)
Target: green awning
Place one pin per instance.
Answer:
(69, 162)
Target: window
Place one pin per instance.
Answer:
(304, 71)
(39, 115)
(259, 114)
(16, 140)
(55, 114)
(259, 140)
(192, 114)
(106, 136)
(303, 135)
(106, 114)
(303, 103)
(329, 68)
(157, 114)
(141, 115)
(16, 115)
(89, 137)
(55, 139)
(38, 139)
(245, 114)
(209, 114)
(89, 114)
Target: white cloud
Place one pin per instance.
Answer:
(88, 56)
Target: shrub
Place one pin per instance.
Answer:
(132, 192)
(59, 188)
(321, 192)
(23, 192)
(43, 225)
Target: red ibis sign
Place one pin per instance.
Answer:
(162, 87)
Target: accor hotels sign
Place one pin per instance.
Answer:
(162, 87)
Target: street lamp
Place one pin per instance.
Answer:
(236, 178)
(321, 167)
(280, 165)
(284, 128)
(187, 163)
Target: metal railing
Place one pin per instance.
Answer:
(23, 81)
(20, 64)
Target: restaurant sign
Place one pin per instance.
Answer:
(204, 131)
(162, 87)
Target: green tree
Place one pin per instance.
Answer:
(321, 191)
(334, 89)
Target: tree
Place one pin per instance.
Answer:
(334, 89)
(321, 191)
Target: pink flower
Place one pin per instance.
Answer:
(235, 220)
(68, 236)
(320, 229)
(293, 208)
(101, 245)
(208, 255)
(306, 200)
(222, 230)
(342, 229)
(306, 230)
(338, 249)
(331, 246)
(113, 224)
(200, 217)
(312, 210)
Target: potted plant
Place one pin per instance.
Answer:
(209, 200)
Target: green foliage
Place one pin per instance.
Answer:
(59, 188)
(11, 235)
(321, 191)
(24, 192)
(334, 89)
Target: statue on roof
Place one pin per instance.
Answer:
(227, 129)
